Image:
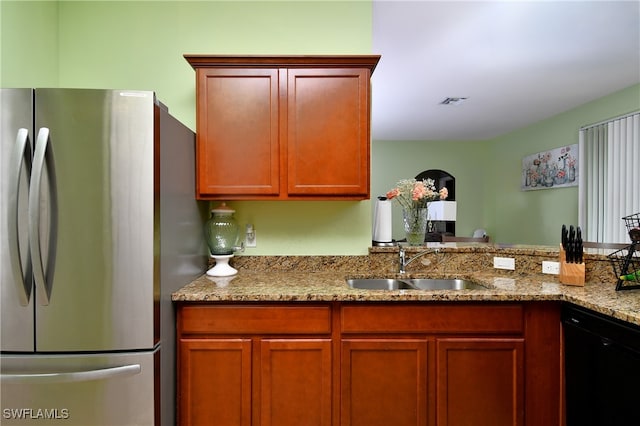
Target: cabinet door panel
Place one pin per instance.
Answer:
(384, 382)
(480, 382)
(214, 382)
(295, 382)
(328, 132)
(238, 125)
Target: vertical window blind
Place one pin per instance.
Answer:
(609, 159)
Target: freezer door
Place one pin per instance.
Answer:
(96, 288)
(16, 303)
(79, 390)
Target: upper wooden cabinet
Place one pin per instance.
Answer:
(283, 127)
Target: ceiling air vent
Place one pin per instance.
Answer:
(453, 101)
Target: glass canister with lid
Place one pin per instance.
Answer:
(221, 231)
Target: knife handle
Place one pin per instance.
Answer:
(579, 249)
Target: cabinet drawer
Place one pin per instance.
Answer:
(255, 319)
(447, 318)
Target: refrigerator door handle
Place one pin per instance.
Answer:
(43, 156)
(18, 161)
(74, 376)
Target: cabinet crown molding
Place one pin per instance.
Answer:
(298, 61)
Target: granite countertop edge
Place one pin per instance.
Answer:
(290, 286)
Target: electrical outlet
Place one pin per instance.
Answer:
(250, 236)
(549, 267)
(504, 263)
(250, 240)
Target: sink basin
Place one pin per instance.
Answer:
(380, 284)
(445, 284)
(413, 284)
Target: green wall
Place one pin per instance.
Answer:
(535, 217)
(28, 44)
(139, 45)
(488, 173)
(467, 161)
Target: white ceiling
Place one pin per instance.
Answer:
(518, 62)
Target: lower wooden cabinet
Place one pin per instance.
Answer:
(215, 381)
(295, 382)
(384, 382)
(480, 382)
(254, 365)
(360, 364)
(292, 379)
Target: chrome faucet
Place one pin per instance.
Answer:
(402, 258)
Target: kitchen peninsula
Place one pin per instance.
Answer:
(287, 336)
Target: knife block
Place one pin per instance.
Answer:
(570, 273)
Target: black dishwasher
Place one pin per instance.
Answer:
(602, 369)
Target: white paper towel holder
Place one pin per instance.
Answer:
(382, 224)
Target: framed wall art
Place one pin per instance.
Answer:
(556, 168)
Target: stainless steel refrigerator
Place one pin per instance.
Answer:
(98, 225)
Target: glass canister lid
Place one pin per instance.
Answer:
(223, 208)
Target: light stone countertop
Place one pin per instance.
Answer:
(325, 281)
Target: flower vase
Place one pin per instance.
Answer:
(415, 225)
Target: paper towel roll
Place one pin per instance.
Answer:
(382, 221)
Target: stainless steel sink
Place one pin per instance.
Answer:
(445, 284)
(413, 284)
(379, 284)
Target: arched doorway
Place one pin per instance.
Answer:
(441, 179)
